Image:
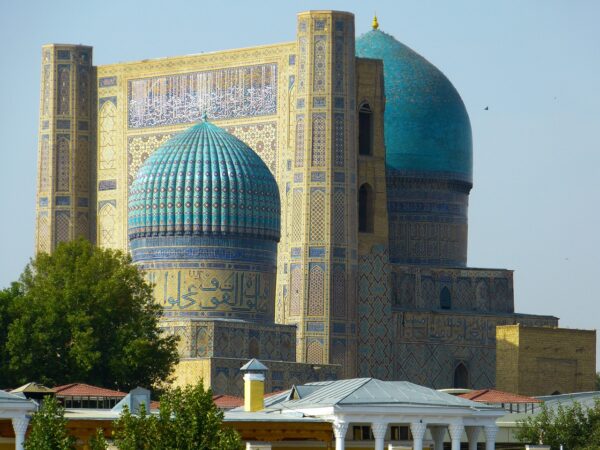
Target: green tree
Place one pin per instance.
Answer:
(573, 427)
(598, 381)
(98, 441)
(85, 314)
(187, 419)
(7, 300)
(48, 428)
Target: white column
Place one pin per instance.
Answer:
(20, 426)
(379, 430)
(339, 431)
(418, 431)
(490, 437)
(473, 436)
(456, 432)
(438, 433)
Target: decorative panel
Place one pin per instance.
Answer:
(314, 352)
(260, 137)
(83, 90)
(46, 90)
(230, 93)
(299, 153)
(44, 176)
(319, 63)
(82, 225)
(339, 291)
(316, 289)
(82, 164)
(295, 289)
(317, 214)
(107, 226)
(297, 218)
(63, 166)
(106, 136)
(302, 53)
(43, 232)
(63, 89)
(338, 139)
(139, 148)
(339, 216)
(319, 139)
(62, 223)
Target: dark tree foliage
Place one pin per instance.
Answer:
(48, 428)
(573, 427)
(85, 314)
(188, 419)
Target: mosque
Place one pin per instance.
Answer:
(304, 203)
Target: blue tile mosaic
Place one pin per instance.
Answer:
(317, 327)
(316, 252)
(107, 82)
(62, 200)
(107, 185)
(317, 177)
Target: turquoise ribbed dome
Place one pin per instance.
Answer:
(204, 181)
(427, 128)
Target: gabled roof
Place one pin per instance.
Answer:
(371, 392)
(33, 388)
(85, 390)
(493, 396)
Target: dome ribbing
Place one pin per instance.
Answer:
(203, 182)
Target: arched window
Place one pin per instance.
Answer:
(365, 130)
(445, 298)
(365, 209)
(461, 376)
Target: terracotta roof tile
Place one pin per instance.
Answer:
(227, 401)
(85, 390)
(493, 396)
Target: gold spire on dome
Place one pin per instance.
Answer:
(375, 23)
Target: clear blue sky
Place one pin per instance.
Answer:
(536, 64)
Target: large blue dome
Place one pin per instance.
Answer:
(427, 128)
(204, 182)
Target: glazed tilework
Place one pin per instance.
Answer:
(427, 128)
(222, 94)
(369, 302)
(225, 188)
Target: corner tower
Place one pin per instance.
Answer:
(65, 178)
(319, 249)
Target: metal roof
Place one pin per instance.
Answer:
(371, 392)
(254, 365)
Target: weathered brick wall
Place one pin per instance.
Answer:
(543, 361)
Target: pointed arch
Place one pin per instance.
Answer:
(445, 298)
(461, 376)
(365, 129)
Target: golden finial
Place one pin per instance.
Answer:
(375, 23)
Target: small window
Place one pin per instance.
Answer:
(461, 377)
(362, 433)
(365, 209)
(365, 130)
(399, 433)
(445, 298)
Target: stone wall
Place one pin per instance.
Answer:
(545, 361)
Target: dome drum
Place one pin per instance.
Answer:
(204, 222)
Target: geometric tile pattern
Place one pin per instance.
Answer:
(375, 334)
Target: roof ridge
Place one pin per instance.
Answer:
(366, 380)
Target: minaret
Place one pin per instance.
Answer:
(319, 287)
(64, 189)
